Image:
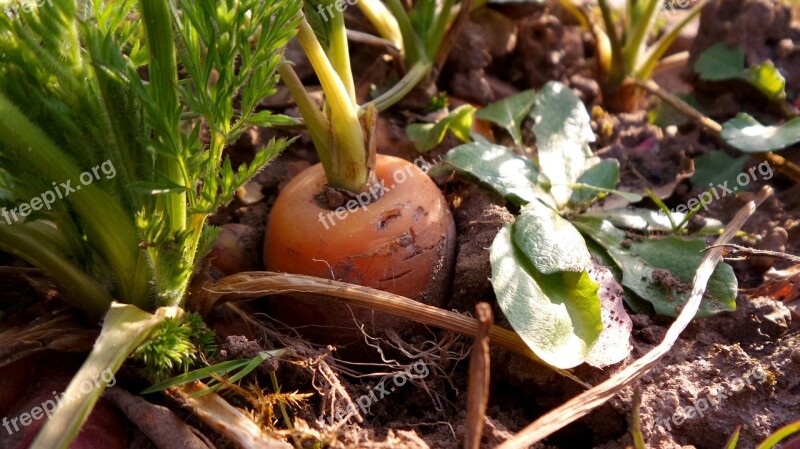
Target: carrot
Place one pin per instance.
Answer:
(374, 220)
(403, 242)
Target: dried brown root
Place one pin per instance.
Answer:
(224, 418)
(159, 424)
(478, 391)
(259, 284)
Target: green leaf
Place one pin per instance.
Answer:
(563, 132)
(734, 439)
(767, 79)
(647, 220)
(243, 366)
(720, 63)
(550, 242)
(779, 435)
(512, 176)
(219, 369)
(320, 23)
(613, 344)
(661, 271)
(510, 112)
(748, 135)
(604, 175)
(124, 328)
(715, 168)
(557, 315)
(427, 135)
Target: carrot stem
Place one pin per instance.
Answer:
(348, 169)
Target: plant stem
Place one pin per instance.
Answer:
(383, 21)
(317, 123)
(617, 74)
(633, 47)
(339, 54)
(446, 43)
(412, 47)
(259, 284)
(163, 71)
(348, 153)
(665, 209)
(414, 76)
(644, 68)
(434, 38)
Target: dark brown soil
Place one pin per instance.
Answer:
(740, 368)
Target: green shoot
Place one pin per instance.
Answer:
(677, 228)
(419, 33)
(337, 129)
(106, 181)
(691, 214)
(125, 328)
(175, 344)
(636, 425)
(137, 231)
(342, 144)
(383, 21)
(734, 439)
(664, 208)
(779, 435)
(626, 56)
(243, 366)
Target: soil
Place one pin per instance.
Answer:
(734, 369)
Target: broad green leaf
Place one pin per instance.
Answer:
(510, 112)
(557, 315)
(745, 134)
(427, 135)
(766, 78)
(550, 242)
(613, 344)
(636, 304)
(563, 132)
(604, 175)
(716, 168)
(512, 176)
(661, 271)
(719, 63)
